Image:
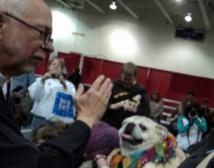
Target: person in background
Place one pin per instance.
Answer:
(20, 97)
(75, 77)
(190, 126)
(103, 140)
(53, 96)
(20, 84)
(25, 40)
(199, 154)
(210, 122)
(156, 106)
(128, 98)
(187, 100)
(205, 108)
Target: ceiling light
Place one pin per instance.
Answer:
(188, 17)
(178, 0)
(113, 5)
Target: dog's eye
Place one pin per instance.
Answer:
(142, 127)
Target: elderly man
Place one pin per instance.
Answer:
(128, 98)
(25, 39)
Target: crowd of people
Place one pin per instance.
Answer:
(71, 124)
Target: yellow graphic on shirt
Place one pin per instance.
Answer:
(121, 94)
(128, 104)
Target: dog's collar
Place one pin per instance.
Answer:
(161, 153)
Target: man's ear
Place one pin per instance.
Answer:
(161, 131)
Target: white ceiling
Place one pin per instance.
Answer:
(156, 11)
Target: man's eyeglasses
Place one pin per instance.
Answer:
(46, 36)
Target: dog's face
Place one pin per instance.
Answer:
(140, 133)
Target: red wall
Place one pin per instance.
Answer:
(160, 81)
(181, 84)
(43, 66)
(72, 61)
(111, 69)
(170, 85)
(142, 75)
(91, 69)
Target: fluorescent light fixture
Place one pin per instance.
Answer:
(113, 5)
(188, 17)
(178, 0)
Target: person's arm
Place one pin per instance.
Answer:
(160, 109)
(201, 123)
(183, 124)
(180, 108)
(144, 107)
(68, 148)
(36, 89)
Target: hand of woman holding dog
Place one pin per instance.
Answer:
(92, 104)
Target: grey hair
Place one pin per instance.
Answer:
(16, 7)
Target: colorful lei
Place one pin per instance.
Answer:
(161, 153)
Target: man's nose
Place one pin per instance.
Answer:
(49, 47)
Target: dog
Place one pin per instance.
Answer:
(145, 144)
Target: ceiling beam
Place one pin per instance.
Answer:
(131, 12)
(95, 6)
(163, 10)
(204, 14)
(63, 3)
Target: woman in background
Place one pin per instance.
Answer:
(156, 106)
(191, 126)
(53, 96)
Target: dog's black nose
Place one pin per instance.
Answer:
(129, 128)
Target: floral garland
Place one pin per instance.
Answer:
(161, 153)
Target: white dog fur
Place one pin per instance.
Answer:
(150, 133)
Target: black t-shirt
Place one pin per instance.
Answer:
(135, 95)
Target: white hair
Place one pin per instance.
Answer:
(16, 7)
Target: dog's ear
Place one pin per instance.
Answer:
(161, 131)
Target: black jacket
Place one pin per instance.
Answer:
(15, 152)
(120, 93)
(198, 152)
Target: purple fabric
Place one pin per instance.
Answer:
(103, 140)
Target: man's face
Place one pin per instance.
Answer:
(189, 96)
(22, 46)
(204, 104)
(155, 97)
(127, 80)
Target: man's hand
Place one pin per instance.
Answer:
(130, 106)
(91, 105)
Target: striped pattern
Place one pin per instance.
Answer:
(24, 80)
